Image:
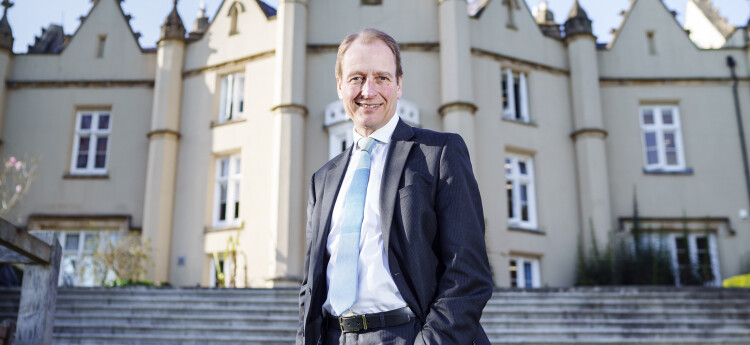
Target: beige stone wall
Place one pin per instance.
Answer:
(52, 112)
(40, 119)
(630, 72)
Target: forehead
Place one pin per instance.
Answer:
(373, 56)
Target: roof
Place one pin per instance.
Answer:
(712, 14)
(267, 9)
(52, 40)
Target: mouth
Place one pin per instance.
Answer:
(369, 106)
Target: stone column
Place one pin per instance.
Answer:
(456, 85)
(589, 134)
(158, 203)
(6, 57)
(288, 190)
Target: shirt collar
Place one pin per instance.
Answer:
(382, 134)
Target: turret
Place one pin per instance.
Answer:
(6, 57)
(200, 24)
(173, 27)
(578, 21)
(163, 145)
(589, 135)
(546, 21)
(6, 33)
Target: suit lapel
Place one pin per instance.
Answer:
(398, 151)
(333, 179)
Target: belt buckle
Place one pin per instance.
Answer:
(343, 318)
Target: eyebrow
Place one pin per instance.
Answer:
(377, 74)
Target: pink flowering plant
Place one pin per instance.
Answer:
(15, 180)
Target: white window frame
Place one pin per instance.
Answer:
(514, 176)
(233, 181)
(509, 111)
(692, 243)
(536, 280)
(339, 138)
(81, 275)
(659, 129)
(94, 134)
(232, 97)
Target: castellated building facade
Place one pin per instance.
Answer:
(208, 141)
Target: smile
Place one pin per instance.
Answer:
(368, 106)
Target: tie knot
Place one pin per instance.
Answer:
(366, 144)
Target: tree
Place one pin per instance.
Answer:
(15, 180)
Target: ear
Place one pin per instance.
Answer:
(398, 86)
(338, 87)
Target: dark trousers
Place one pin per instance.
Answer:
(396, 335)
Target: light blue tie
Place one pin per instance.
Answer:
(343, 289)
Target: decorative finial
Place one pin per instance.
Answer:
(6, 33)
(578, 21)
(173, 27)
(7, 4)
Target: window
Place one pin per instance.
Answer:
(515, 96)
(524, 272)
(651, 43)
(77, 267)
(91, 143)
(100, 46)
(232, 101)
(662, 139)
(233, 13)
(694, 260)
(227, 191)
(519, 185)
(339, 138)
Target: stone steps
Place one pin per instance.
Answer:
(623, 315)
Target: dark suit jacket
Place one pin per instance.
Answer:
(433, 232)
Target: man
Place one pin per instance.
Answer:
(395, 229)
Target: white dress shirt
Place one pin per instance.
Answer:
(376, 290)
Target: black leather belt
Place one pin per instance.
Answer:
(356, 323)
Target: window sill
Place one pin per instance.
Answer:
(685, 171)
(215, 124)
(80, 176)
(520, 122)
(226, 227)
(528, 230)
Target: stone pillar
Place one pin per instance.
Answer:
(589, 134)
(288, 190)
(6, 57)
(158, 203)
(36, 312)
(456, 85)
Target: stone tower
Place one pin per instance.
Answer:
(163, 145)
(6, 58)
(589, 134)
(288, 192)
(456, 96)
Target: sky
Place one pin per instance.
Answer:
(28, 17)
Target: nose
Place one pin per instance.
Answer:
(368, 88)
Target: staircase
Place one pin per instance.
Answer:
(623, 315)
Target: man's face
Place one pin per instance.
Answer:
(368, 85)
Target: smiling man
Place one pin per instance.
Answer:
(395, 229)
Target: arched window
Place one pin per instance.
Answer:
(234, 12)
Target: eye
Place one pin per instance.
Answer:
(355, 79)
(383, 78)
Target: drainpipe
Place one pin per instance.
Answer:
(731, 63)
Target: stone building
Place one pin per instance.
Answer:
(211, 137)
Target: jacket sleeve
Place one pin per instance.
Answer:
(466, 282)
(305, 270)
